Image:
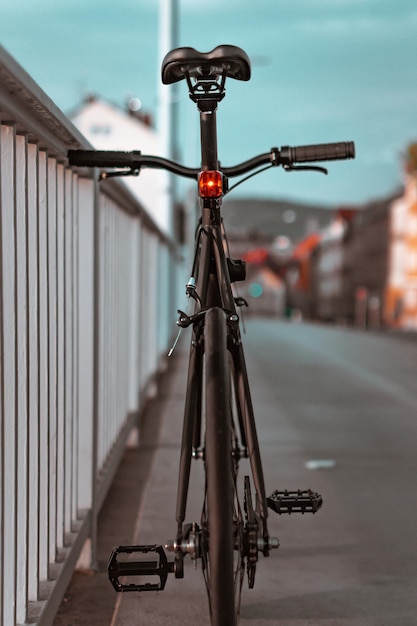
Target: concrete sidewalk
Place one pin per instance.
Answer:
(90, 599)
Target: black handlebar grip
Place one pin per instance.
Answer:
(318, 152)
(103, 158)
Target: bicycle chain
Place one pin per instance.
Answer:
(251, 534)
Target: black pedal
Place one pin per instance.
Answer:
(120, 568)
(294, 501)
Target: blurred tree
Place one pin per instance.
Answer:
(411, 158)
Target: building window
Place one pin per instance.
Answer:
(100, 129)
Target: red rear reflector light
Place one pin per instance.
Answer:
(210, 184)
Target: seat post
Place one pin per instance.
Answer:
(207, 94)
(208, 131)
(209, 161)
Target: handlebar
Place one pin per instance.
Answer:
(319, 152)
(286, 156)
(134, 160)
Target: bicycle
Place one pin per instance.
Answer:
(219, 424)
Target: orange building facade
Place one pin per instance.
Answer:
(401, 290)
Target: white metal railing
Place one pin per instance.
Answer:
(86, 302)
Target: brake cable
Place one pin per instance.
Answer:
(287, 168)
(239, 182)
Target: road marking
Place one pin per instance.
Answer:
(320, 464)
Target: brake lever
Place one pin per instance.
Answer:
(106, 175)
(306, 168)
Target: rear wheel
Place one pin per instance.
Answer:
(222, 519)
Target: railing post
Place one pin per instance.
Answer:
(96, 357)
(8, 397)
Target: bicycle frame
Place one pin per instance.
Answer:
(214, 290)
(216, 361)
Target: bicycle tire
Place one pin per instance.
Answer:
(219, 473)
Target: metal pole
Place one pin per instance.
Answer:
(168, 126)
(168, 101)
(168, 98)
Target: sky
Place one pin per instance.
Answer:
(322, 71)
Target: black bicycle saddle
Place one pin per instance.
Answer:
(224, 59)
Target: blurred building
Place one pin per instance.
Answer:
(110, 127)
(266, 234)
(367, 247)
(264, 290)
(401, 289)
(356, 265)
(362, 268)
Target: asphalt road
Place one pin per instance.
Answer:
(336, 412)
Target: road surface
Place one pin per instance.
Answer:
(337, 412)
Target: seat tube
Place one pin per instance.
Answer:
(209, 160)
(208, 130)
